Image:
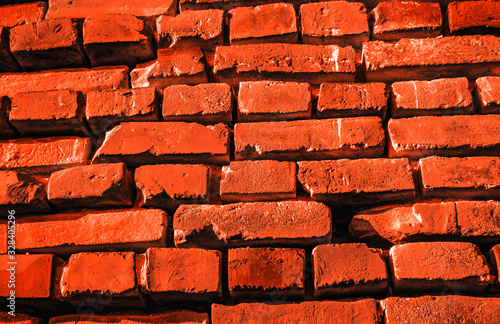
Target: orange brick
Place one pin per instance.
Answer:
(171, 317)
(22, 193)
(488, 93)
(23, 13)
(474, 17)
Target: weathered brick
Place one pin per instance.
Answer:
(352, 99)
(20, 318)
(183, 274)
(431, 266)
(432, 58)
(474, 17)
(171, 317)
(269, 23)
(22, 193)
(436, 97)
(7, 61)
(252, 224)
(227, 5)
(45, 112)
(488, 93)
(3, 236)
(284, 62)
(361, 311)
(493, 256)
(44, 155)
(406, 19)
(92, 231)
(479, 220)
(5, 127)
(48, 44)
(271, 100)
(117, 39)
(310, 139)
(23, 13)
(107, 108)
(208, 103)
(203, 28)
(351, 268)
(138, 143)
(261, 272)
(444, 135)
(338, 22)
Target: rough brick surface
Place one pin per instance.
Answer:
(5, 127)
(7, 61)
(171, 317)
(20, 14)
(19, 318)
(150, 143)
(493, 256)
(227, 5)
(352, 268)
(22, 193)
(310, 139)
(252, 224)
(3, 236)
(488, 92)
(269, 23)
(479, 220)
(474, 17)
(261, 272)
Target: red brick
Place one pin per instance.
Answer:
(444, 135)
(24, 13)
(138, 143)
(203, 28)
(338, 22)
(361, 311)
(436, 97)
(310, 139)
(44, 155)
(107, 108)
(117, 39)
(494, 259)
(356, 182)
(229, 4)
(488, 93)
(7, 61)
(479, 220)
(260, 272)
(92, 230)
(57, 111)
(284, 62)
(437, 265)
(171, 317)
(183, 274)
(48, 44)
(3, 236)
(103, 185)
(351, 268)
(170, 185)
(208, 103)
(409, 19)
(441, 309)
(352, 99)
(270, 100)
(22, 193)
(269, 23)
(432, 58)
(20, 318)
(252, 224)
(474, 17)
(5, 127)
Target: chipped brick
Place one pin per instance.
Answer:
(474, 17)
(23, 13)
(22, 193)
(488, 93)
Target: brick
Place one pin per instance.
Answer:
(170, 185)
(23, 13)
(252, 224)
(488, 93)
(227, 5)
(479, 220)
(432, 58)
(269, 23)
(117, 39)
(203, 28)
(207, 103)
(493, 256)
(109, 274)
(183, 274)
(474, 17)
(7, 61)
(5, 317)
(444, 135)
(345, 269)
(436, 97)
(261, 272)
(171, 317)
(182, 66)
(103, 185)
(271, 100)
(310, 139)
(92, 231)
(352, 99)
(5, 127)
(408, 19)
(361, 311)
(107, 108)
(138, 143)
(3, 236)
(22, 193)
(48, 44)
(284, 62)
(441, 309)
(48, 112)
(44, 155)
(258, 181)
(339, 22)
(431, 266)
